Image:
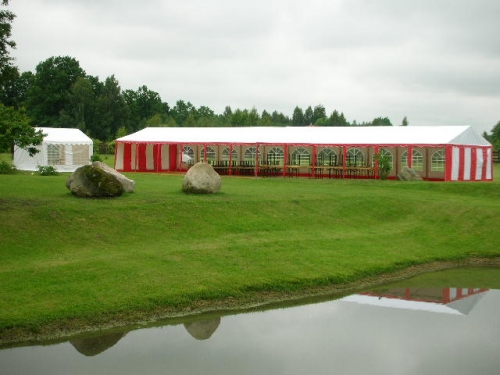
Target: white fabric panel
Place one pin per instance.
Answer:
(165, 157)
(467, 163)
(455, 166)
(489, 163)
(479, 164)
(119, 156)
(150, 163)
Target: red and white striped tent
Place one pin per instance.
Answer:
(467, 154)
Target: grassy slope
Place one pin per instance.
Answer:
(65, 258)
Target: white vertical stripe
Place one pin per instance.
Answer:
(455, 163)
(479, 164)
(488, 165)
(467, 163)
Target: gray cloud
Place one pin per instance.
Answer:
(435, 62)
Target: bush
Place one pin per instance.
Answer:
(6, 168)
(384, 165)
(96, 157)
(47, 170)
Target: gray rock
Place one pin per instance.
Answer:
(127, 183)
(408, 174)
(201, 178)
(93, 181)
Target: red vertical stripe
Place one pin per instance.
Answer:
(461, 164)
(410, 157)
(473, 164)
(172, 157)
(141, 156)
(127, 157)
(448, 163)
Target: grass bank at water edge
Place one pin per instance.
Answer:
(68, 262)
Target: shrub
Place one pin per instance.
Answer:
(384, 165)
(96, 157)
(47, 170)
(6, 168)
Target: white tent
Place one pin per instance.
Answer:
(65, 149)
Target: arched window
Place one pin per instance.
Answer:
(438, 161)
(300, 156)
(188, 155)
(355, 158)
(327, 156)
(250, 154)
(226, 153)
(211, 155)
(55, 154)
(275, 156)
(417, 160)
(385, 153)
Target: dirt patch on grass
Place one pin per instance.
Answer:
(255, 300)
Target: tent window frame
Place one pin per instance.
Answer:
(301, 157)
(211, 154)
(327, 156)
(55, 154)
(438, 161)
(355, 157)
(417, 160)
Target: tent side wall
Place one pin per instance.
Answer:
(23, 161)
(143, 157)
(467, 163)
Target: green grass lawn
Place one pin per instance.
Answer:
(66, 261)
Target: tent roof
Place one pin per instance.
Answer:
(67, 136)
(313, 135)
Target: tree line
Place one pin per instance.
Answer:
(61, 94)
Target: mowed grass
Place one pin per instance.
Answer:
(66, 259)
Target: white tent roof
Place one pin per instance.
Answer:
(65, 136)
(313, 135)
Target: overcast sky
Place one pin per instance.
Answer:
(435, 61)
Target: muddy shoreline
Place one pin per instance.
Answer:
(63, 331)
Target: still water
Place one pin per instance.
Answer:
(398, 331)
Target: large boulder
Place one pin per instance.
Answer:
(408, 174)
(127, 183)
(96, 181)
(201, 178)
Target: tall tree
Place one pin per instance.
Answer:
(318, 113)
(298, 117)
(49, 95)
(8, 72)
(404, 122)
(309, 116)
(381, 121)
(495, 136)
(143, 104)
(83, 103)
(15, 129)
(181, 111)
(112, 110)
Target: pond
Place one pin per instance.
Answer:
(394, 331)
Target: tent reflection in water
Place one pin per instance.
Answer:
(65, 149)
(454, 301)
